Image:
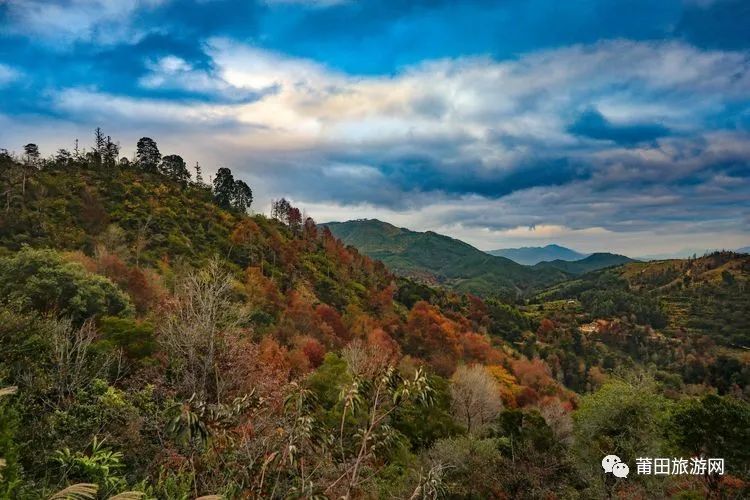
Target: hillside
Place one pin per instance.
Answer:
(703, 296)
(159, 342)
(591, 263)
(529, 256)
(442, 260)
(157, 338)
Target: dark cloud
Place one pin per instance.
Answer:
(594, 125)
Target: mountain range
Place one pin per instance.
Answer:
(593, 262)
(439, 259)
(533, 255)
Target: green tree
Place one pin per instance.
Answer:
(242, 197)
(224, 188)
(173, 166)
(623, 418)
(147, 154)
(41, 280)
(713, 427)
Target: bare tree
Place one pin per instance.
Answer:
(75, 364)
(191, 331)
(475, 397)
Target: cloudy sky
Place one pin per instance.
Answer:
(621, 125)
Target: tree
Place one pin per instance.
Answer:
(41, 280)
(31, 161)
(173, 166)
(198, 174)
(294, 220)
(712, 427)
(110, 153)
(147, 154)
(623, 418)
(99, 141)
(475, 397)
(224, 188)
(190, 332)
(280, 210)
(63, 156)
(243, 196)
(31, 154)
(470, 465)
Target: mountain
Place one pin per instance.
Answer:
(433, 257)
(153, 327)
(533, 255)
(706, 296)
(591, 263)
(743, 250)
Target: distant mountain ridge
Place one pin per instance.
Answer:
(430, 256)
(593, 262)
(530, 256)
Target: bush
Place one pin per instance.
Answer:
(41, 280)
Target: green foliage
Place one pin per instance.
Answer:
(10, 470)
(713, 426)
(101, 466)
(173, 167)
(623, 418)
(147, 154)
(135, 338)
(423, 425)
(41, 280)
(356, 426)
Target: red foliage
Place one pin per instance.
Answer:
(430, 335)
(477, 348)
(314, 351)
(380, 300)
(546, 327)
(331, 317)
(142, 286)
(383, 342)
(477, 310)
(535, 375)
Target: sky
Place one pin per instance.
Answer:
(619, 125)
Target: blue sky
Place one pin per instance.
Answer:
(620, 125)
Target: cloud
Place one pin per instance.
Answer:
(171, 72)
(486, 146)
(103, 21)
(593, 124)
(7, 74)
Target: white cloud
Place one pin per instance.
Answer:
(324, 138)
(100, 20)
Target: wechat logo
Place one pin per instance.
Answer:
(613, 464)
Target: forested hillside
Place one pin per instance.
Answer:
(157, 339)
(438, 259)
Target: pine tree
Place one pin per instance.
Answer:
(173, 166)
(198, 174)
(243, 196)
(224, 188)
(147, 154)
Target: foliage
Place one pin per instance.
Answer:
(41, 280)
(222, 353)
